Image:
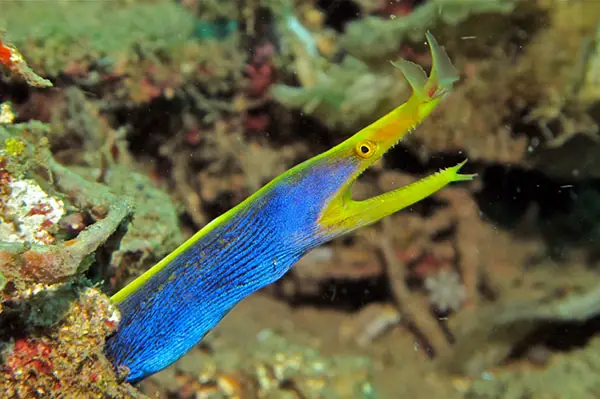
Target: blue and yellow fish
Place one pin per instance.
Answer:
(169, 308)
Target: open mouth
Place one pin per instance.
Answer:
(343, 214)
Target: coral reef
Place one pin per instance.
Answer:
(53, 223)
(163, 114)
(51, 262)
(58, 347)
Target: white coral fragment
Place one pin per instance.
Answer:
(446, 290)
(28, 213)
(7, 116)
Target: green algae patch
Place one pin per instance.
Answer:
(3, 282)
(346, 94)
(59, 35)
(363, 85)
(571, 374)
(14, 147)
(376, 38)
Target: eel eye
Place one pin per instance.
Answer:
(365, 149)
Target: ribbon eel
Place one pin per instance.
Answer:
(169, 308)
